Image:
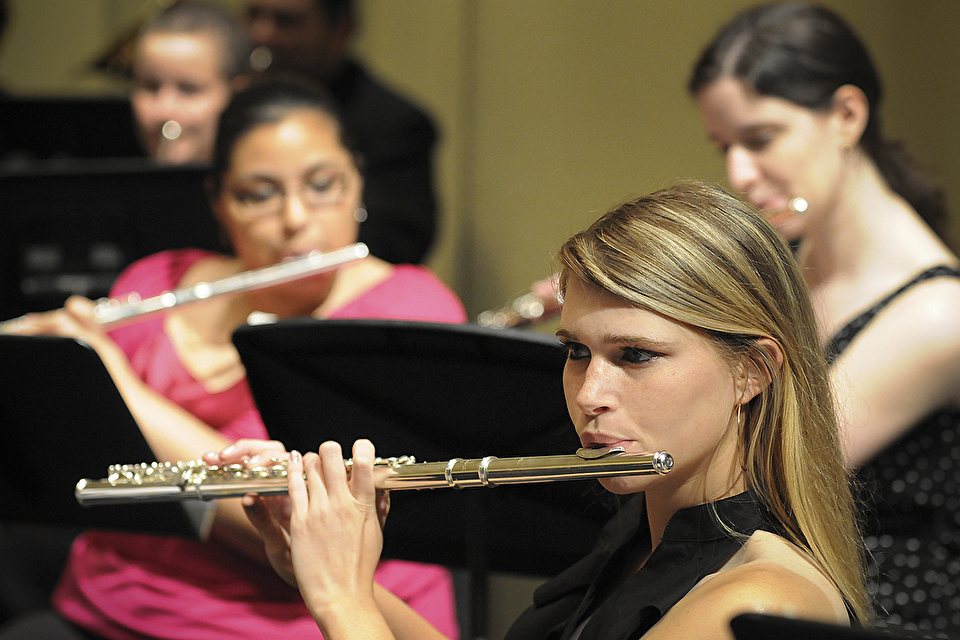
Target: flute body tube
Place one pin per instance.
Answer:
(112, 312)
(165, 482)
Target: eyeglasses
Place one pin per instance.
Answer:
(262, 198)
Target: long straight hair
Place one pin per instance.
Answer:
(696, 255)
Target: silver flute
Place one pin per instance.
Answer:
(109, 312)
(195, 480)
(527, 309)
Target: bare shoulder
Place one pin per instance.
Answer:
(768, 575)
(924, 322)
(933, 305)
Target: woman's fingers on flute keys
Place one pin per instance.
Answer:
(296, 484)
(361, 478)
(74, 320)
(276, 542)
(334, 531)
(252, 452)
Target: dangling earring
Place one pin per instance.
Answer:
(743, 452)
(360, 214)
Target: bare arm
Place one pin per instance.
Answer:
(901, 368)
(766, 588)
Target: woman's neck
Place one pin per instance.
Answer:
(352, 282)
(846, 237)
(870, 243)
(318, 296)
(664, 502)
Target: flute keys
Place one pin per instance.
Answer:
(105, 307)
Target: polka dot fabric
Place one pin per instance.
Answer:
(911, 499)
(911, 494)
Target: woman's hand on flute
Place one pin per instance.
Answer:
(270, 515)
(333, 513)
(249, 452)
(335, 531)
(325, 538)
(74, 320)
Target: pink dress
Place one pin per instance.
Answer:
(131, 586)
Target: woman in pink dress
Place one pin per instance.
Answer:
(284, 184)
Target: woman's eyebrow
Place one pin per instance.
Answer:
(616, 338)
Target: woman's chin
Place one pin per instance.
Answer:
(788, 225)
(623, 485)
(297, 298)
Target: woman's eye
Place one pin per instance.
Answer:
(758, 141)
(323, 184)
(189, 89)
(146, 85)
(634, 355)
(575, 351)
(757, 144)
(254, 196)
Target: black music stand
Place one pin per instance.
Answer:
(756, 626)
(34, 128)
(436, 392)
(64, 420)
(70, 227)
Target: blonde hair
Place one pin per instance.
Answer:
(701, 257)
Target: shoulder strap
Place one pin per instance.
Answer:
(848, 332)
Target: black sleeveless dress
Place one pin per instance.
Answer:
(911, 498)
(696, 542)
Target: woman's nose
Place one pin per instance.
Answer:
(295, 212)
(595, 394)
(166, 105)
(742, 169)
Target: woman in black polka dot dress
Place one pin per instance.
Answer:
(790, 96)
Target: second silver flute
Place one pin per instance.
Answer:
(110, 312)
(167, 482)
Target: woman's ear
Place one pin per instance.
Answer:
(852, 111)
(756, 375)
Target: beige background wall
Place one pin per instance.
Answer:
(551, 110)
